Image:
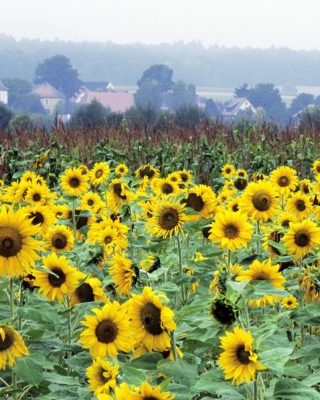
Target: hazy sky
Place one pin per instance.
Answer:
(256, 23)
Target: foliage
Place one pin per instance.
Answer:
(149, 95)
(5, 116)
(300, 102)
(92, 114)
(182, 95)
(160, 75)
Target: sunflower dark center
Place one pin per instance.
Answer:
(283, 181)
(59, 241)
(223, 313)
(74, 182)
(166, 188)
(99, 173)
(58, 279)
(300, 205)
(262, 200)
(289, 303)
(318, 168)
(106, 331)
(235, 207)
(169, 219)
(107, 239)
(240, 184)
(184, 177)
(231, 231)
(302, 238)
(10, 242)
(80, 221)
(151, 398)
(8, 340)
(206, 231)
(117, 189)
(36, 197)
(37, 218)
(84, 293)
(146, 171)
(243, 355)
(228, 170)
(285, 223)
(194, 201)
(276, 237)
(261, 276)
(150, 318)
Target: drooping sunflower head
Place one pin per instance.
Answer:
(73, 182)
(151, 263)
(124, 273)
(99, 173)
(147, 171)
(11, 346)
(284, 179)
(223, 312)
(102, 376)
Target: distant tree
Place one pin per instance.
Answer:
(160, 74)
(212, 110)
(189, 116)
(5, 116)
(22, 121)
(311, 116)
(268, 97)
(59, 73)
(148, 96)
(241, 91)
(141, 116)
(182, 95)
(92, 114)
(301, 102)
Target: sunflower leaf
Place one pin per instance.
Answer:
(291, 389)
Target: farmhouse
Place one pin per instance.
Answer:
(236, 105)
(3, 93)
(49, 97)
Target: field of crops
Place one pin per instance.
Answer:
(174, 264)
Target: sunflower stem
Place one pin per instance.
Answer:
(173, 346)
(183, 294)
(255, 390)
(11, 304)
(74, 224)
(258, 239)
(25, 391)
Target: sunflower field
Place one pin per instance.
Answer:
(167, 264)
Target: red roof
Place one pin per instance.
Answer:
(117, 102)
(46, 90)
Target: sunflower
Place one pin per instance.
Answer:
(167, 219)
(240, 183)
(164, 187)
(202, 199)
(228, 170)
(309, 284)
(18, 250)
(124, 273)
(99, 173)
(28, 176)
(117, 194)
(102, 376)
(233, 204)
(175, 177)
(150, 263)
(89, 290)
(37, 194)
(121, 169)
(299, 205)
(21, 192)
(302, 237)
(91, 201)
(60, 280)
(259, 200)
(39, 161)
(151, 320)
(10, 193)
(147, 393)
(271, 233)
(284, 219)
(284, 179)
(289, 302)
(107, 332)
(222, 311)
(84, 169)
(231, 230)
(260, 271)
(238, 359)
(11, 345)
(60, 210)
(147, 171)
(316, 167)
(73, 182)
(40, 215)
(306, 186)
(59, 239)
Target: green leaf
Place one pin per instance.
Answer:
(275, 359)
(60, 379)
(181, 371)
(30, 368)
(41, 312)
(289, 389)
(79, 362)
(312, 380)
(147, 361)
(133, 376)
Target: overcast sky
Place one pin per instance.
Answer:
(255, 23)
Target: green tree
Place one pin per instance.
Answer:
(241, 91)
(212, 110)
(22, 121)
(160, 74)
(189, 116)
(148, 96)
(267, 96)
(182, 95)
(92, 114)
(5, 116)
(311, 117)
(301, 102)
(59, 73)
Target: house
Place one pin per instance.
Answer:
(49, 97)
(3, 93)
(102, 86)
(117, 101)
(236, 105)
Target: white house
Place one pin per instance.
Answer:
(3, 93)
(236, 105)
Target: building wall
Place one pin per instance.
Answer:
(4, 96)
(50, 103)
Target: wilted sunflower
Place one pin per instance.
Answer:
(61, 281)
(259, 200)
(73, 182)
(151, 320)
(147, 393)
(228, 170)
(289, 302)
(11, 346)
(222, 311)
(202, 199)
(124, 273)
(107, 332)
(89, 290)
(299, 205)
(284, 179)
(18, 250)
(147, 171)
(263, 271)
(121, 169)
(99, 173)
(231, 230)
(102, 376)
(309, 284)
(167, 219)
(302, 237)
(59, 239)
(238, 360)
